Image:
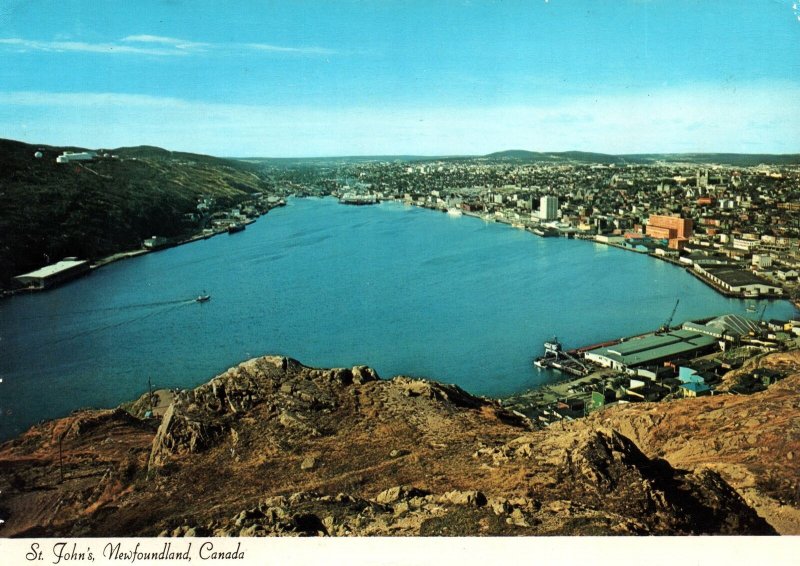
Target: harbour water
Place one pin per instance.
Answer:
(404, 290)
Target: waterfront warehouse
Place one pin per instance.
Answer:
(652, 349)
(55, 274)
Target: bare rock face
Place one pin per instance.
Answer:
(272, 447)
(451, 394)
(751, 441)
(608, 471)
(200, 417)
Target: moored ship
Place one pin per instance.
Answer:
(555, 357)
(357, 199)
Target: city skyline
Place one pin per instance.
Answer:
(298, 79)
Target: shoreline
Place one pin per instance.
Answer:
(118, 256)
(124, 255)
(587, 238)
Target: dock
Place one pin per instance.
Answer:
(556, 358)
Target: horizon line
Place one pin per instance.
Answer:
(413, 155)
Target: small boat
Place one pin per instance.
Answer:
(202, 298)
(233, 228)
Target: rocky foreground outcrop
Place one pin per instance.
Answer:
(752, 441)
(272, 447)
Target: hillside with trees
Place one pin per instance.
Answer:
(91, 209)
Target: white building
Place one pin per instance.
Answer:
(762, 260)
(548, 208)
(68, 157)
(52, 275)
(743, 244)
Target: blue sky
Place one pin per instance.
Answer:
(304, 78)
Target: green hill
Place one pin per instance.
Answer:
(92, 209)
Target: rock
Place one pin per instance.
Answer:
(401, 508)
(517, 518)
(178, 434)
(309, 523)
(275, 514)
(308, 463)
(474, 498)
(295, 423)
(390, 495)
(397, 493)
(499, 505)
(398, 453)
(249, 531)
(329, 523)
(363, 374)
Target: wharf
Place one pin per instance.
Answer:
(557, 359)
(358, 200)
(567, 365)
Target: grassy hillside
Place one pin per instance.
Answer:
(92, 209)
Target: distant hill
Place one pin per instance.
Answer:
(333, 160)
(92, 209)
(735, 159)
(525, 156)
(153, 153)
(554, 157)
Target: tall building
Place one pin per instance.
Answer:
(548, 208)
(673, 228)
(702, 178)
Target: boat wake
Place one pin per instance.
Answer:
(166, 306)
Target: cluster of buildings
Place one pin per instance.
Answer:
(735, 227)
(672, 363)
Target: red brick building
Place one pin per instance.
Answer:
(673, 228)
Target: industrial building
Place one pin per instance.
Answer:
(55, 274)
(729, 326)
(739, 281)
(652, 349)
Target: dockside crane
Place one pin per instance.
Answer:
(758, 332)
(665, 327)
